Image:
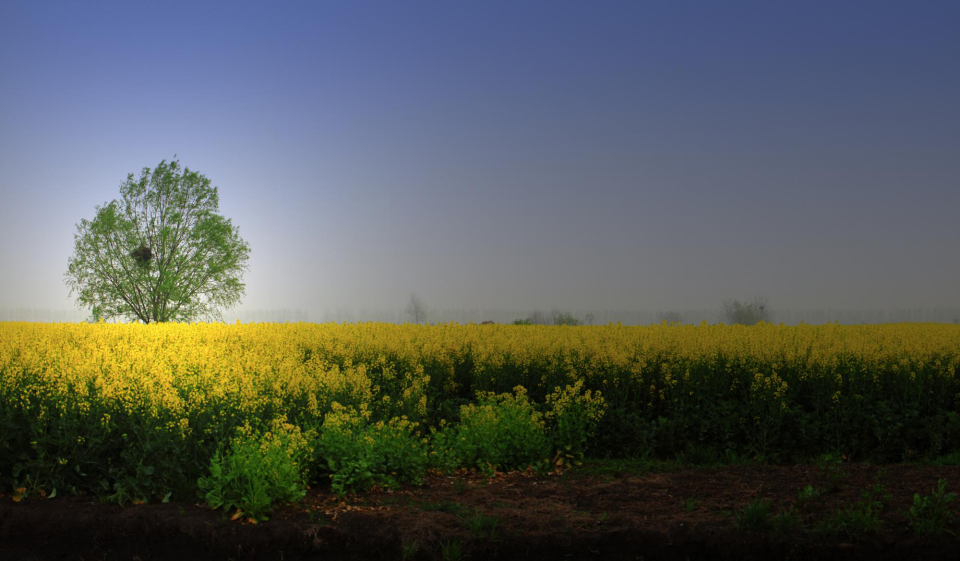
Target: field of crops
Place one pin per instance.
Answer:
(248, 414)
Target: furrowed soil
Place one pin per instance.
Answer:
(601, 512)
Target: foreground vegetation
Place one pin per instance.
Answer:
(247, 415)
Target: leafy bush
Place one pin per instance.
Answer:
(257, 471)
(499, 432)
(745, 313)
(565, 318)
(358, 454)
(573, 416)
(930, 515)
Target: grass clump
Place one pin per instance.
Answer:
(451, 550)
(859, 519)
(755, 517)
(482, 526)
(758, 516)
(785, 521)
(930, 515)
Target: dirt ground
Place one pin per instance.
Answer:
(597, 514)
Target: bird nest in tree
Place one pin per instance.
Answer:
(142, 255)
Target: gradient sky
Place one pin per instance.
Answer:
(509, 155)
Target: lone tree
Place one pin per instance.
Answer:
(417, 309)
(162, 253)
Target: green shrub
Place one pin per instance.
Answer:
(929, 516)
(807, 494)
(573, 416)
(257, 471)
(499, 432)
(357, 454)
(755, 517)
(565, 318)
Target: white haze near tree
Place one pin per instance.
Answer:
(501, 159)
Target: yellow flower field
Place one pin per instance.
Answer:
(74, 397)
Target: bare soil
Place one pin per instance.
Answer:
(686, 514)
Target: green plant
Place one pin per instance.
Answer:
(755, 516)
(854, 521)
(498, 432)
(357, 454)
(951, 459)
(807, 494)
(451, 550)
(459, 485)
(785, 521)
(831, 468)
(481, 525)
(257, 471)
(689, 504)
(858, 519)
(410, 550)
(930, 515)
(573, 415)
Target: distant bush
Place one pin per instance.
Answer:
(556, 317)
(735, 312)
(565, 318)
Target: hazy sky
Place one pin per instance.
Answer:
(510, 155)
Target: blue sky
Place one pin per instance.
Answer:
(509, 155)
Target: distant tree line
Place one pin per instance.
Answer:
(506, 316)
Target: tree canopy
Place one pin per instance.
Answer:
(161, 253)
